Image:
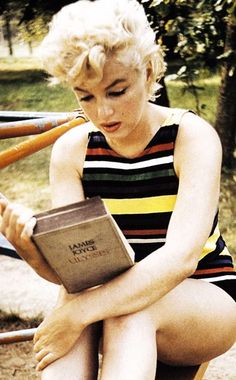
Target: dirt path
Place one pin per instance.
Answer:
(27, 295)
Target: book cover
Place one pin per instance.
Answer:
(83, 244)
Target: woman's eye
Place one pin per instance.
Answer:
(86, 98)
(118, 93)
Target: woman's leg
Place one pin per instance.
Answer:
(129, 348)
(81, 362)
(193, 323)
(197, 322)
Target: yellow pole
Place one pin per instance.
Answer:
(26, 148)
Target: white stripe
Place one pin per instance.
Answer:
(143, 241)
(220, 278)
(125, 166)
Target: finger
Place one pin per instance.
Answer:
(28, 229)
(38, 346)
(37, 337)
(41, 354)
(18, 219)
(48, 359)
(3, 205)
(5, 212)
(24, 222)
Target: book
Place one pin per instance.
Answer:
(82, 243)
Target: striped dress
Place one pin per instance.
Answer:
(141, 192)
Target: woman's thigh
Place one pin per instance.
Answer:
(195, 322)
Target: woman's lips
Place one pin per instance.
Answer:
(111, 127)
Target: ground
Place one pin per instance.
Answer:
(17, 360)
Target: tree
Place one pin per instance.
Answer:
(8, 33)
(205, 37)
(226, 109)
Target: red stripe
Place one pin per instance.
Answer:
(144, 232)
(102, 152)
(214, 270)
(110, 152)
(159, 148)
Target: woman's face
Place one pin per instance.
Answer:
(117, 104)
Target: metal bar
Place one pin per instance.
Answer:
(26, 148)
(31, 127)
(17, 336)
(26, 115)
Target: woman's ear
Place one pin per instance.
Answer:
(148, 71)
(148, 78)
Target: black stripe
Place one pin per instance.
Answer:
(128, 191)
(219, 262)
(229, 286)
(143, 250)
(143, 221)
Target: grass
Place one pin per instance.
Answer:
(23, 87)
(27, 90)
(207, 93)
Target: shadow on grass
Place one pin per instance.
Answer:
(12, 321)
(26, 76)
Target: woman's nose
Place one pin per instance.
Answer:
(104, 111)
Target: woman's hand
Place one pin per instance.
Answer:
(17, 226)
(56, 335)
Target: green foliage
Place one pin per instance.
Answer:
(193, 32)
(33, 30)
(199, 28)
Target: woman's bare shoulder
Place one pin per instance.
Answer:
(197, 142)
(69, 149)
(193, 125)
(74, 137)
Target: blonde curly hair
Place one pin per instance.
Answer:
(84, 34)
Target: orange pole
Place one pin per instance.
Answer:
(26, 148)
(31, 127)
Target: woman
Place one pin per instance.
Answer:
(158, 170)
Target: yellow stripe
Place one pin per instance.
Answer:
(164, 203)
(210, 245)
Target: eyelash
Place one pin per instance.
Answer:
(112, 94)
(118, 93)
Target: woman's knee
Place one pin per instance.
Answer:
(126, 324)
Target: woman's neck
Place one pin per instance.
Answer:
(134, 144)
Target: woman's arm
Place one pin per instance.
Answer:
(197, 163)
(17, 226)
(18, 222)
